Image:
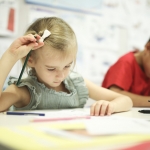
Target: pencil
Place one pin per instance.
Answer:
(24, 65)
(45, 35)
(60, 119)
(24, 113)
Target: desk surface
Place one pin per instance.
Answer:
(7, 120)
(21, 127)
(133, 113)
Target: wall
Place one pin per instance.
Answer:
(105, 29)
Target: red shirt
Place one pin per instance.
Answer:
(127, 75)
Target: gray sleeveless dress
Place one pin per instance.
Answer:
(45, 98)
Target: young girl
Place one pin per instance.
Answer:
(51, 83)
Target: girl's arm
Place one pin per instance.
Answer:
(13, 95)
(18, 49)
(108, 102)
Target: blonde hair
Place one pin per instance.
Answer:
(61, 38)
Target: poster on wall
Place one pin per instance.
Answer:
(8, 19)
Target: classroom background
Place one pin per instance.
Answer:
(105, 29)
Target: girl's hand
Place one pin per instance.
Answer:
(21, 46)
(102, 107)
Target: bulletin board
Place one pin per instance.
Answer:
(105, 29)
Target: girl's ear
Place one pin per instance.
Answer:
(30, 62)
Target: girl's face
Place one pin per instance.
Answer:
(52, 66)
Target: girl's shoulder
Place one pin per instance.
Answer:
(76, 76)
(76, 80)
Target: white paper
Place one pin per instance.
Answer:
(117, 125)
(68, 113)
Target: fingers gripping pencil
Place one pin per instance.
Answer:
(45, 35)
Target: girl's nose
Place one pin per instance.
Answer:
(60, 74)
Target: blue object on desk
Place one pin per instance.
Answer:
(24, 113)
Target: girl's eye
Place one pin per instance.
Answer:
(67, 66)
(51, 69)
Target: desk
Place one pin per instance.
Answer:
(133, 113)
(7, 120)
(21, 128)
